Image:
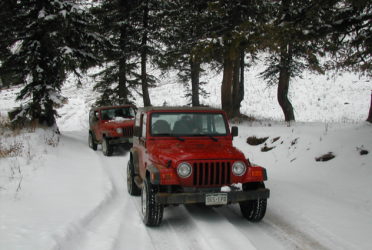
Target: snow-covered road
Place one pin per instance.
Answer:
(77, 198)
(116, 223)
(304, 212)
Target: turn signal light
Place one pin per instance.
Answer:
(256, 173)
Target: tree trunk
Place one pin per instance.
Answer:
(123, 91)
(285, 70)
(227, 80)
(369, 119)
(238, 84)
(195, 84)
(145, 88)
(284, 77)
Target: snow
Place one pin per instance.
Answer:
(57, 193)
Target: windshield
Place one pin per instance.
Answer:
(117, 114)
(188, 124)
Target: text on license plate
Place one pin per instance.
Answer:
(216, 199)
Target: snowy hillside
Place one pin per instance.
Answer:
(56, 193)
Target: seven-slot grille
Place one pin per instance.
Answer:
(210, 173)
(128, 131)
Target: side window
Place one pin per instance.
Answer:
(144, 123)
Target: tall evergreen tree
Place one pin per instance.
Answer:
(129, 24)
(234, 31)
(350, 39)
(185, 25)
(8, 75)
(51, 38)
(120, 70)
(294, 45)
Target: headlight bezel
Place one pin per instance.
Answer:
(184, 165)
(243, 168)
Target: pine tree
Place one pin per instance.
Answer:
(8, 75)
(115, 78)
(350, 39)
(51, 38)
(233, 33)
(294, 45)
(129, 26)
(184, 26)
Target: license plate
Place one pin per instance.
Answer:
(216, 199)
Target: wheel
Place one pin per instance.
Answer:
(131, 185)
(106, 148)
(91, 142)
(152, 212)
(253, 210)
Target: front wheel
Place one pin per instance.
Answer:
(106, 147)
(152, 211)
(91, 142)
(253, 210)
(131, 185)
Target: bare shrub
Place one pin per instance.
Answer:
(11, 149)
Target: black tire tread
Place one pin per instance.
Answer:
(253, 210)
(154, 211)
(132, 187)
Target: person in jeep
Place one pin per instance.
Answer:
(111, 126)
(184, 156)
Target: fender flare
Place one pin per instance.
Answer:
(134, 159)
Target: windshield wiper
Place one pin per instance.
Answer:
(172, 135)
(210, 136)
(213, 138)
(179, 138)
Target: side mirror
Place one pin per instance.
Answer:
(234, 131)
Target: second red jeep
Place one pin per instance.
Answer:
(185, 155)
(110, 126)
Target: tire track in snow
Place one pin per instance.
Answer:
(116, 224)
(275, 227)
(98, 229)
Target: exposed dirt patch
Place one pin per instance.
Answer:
(266, 148)
(325, 157)
(362, 151)
(275, 139)
(254, 141)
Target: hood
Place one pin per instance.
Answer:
(119, 123)
(183, 151)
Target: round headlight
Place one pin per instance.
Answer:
(119, 130)
(239, 168)
(184, 170)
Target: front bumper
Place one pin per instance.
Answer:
(120, 140)
(191, 198)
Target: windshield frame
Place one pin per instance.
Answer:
(186, 112)
(106, 111)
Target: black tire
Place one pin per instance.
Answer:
(92, 144)
(152, 212)
(131, 185)
(253, 210)
(106, 147)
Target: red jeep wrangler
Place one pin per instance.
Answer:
(111, 126)
(185, 155)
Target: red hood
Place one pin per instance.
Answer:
(118, 124)
(194, 150)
